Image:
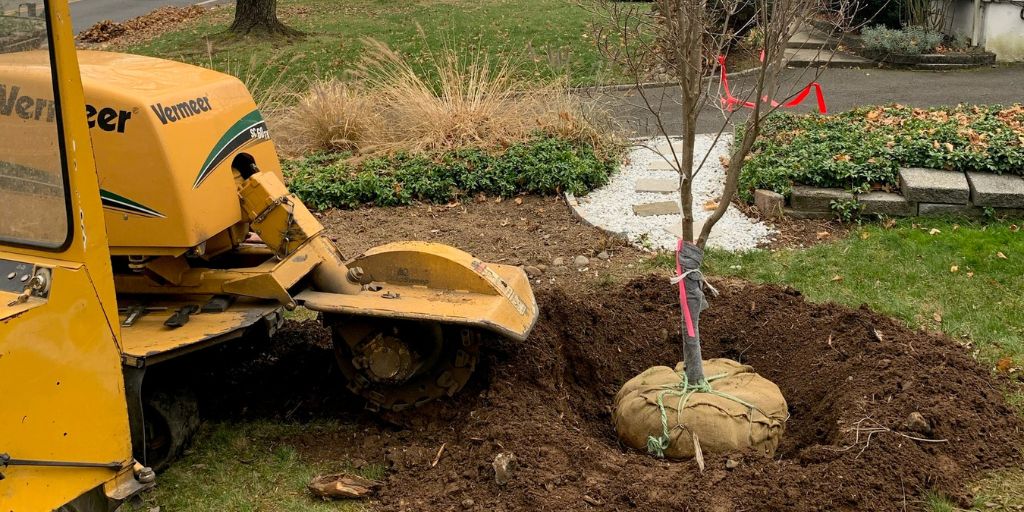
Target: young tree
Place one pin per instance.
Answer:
(683, 39)
(259, 17)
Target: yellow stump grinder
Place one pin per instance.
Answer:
(144, 216)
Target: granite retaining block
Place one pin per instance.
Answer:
(814, 199)
(770, 204)
(942, 209)
(934, 186)
(996, 190)
(886, 203)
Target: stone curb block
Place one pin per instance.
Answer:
(934, 186)
(996, 190)
(814, 199)
(886, 203)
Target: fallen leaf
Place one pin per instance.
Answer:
(1004, 364)
(949, 147)
(1014, 228)
(864, 235)
(837, 278)
(499, 199)
(970, 274)
(937, 317)
(710, 205)
(343, 486)
(934, 231)
(821, 235)
(889, 223)
(1000, 255)
(954, 269)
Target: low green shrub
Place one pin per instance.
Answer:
(864, 148)
(904, 41)
(541, 165)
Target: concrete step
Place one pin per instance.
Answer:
(808, 41)
(833, 59)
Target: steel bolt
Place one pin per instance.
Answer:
(356, 274)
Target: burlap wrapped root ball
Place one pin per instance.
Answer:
(744, 412)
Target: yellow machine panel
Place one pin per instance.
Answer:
(63, 399)
(164, 135)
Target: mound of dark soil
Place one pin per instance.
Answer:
(852, 378)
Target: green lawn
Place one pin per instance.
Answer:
(245, 467)
(936, 274)
(546, 38)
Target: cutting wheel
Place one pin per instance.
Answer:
(398, 365)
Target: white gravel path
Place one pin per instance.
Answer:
(611, 207)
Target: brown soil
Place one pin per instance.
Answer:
(528, 231)
(547, 400)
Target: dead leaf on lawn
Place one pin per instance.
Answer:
(864, 235)
(343, 486)
(1004, 364)
(937, 317)
(889, 223)
(837, 278)
(1014, 228)
(954, 268)
(934, 231)
(970, 274)
(821, 235)
(1000, 255)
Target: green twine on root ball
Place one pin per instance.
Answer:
(684, 390)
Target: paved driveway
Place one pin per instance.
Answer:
(86, 13)
(844, 89)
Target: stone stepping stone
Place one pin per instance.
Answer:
(660, 164)
(657, 185)
(666, 149)
(658, 208)
(676, 227)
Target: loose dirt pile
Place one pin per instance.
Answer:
(141, 28)
(860, 387)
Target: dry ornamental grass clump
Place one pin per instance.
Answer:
(470, 102)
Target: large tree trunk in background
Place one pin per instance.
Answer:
(259, 17)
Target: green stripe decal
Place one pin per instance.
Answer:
(249, 128)
(113, 201)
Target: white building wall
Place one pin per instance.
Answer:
(1004, 31)
(1002, 27)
